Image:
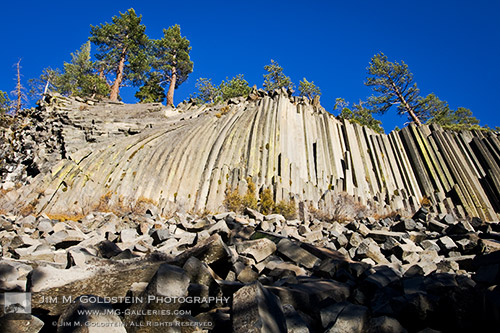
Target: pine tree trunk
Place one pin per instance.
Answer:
(414, 116)
(115, 88)
(171, 88)
(408, 108)
(46, 88)
(101, 75)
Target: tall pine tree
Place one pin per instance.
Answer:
(395, 86)
(151, 91)
(4, 109)
(172, 59)
(122, 50)
(275, 78)
(4, 102)
(308, 89)
(79, 78)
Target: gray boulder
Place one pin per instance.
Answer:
(257, 310)
(90, 314)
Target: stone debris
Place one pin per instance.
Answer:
(362, 276)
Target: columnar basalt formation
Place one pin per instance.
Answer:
(187, 157)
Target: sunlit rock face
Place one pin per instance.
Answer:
(116, 155)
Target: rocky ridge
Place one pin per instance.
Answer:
(252, 272)
(76, 153)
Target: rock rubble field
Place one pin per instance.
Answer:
(251, 273)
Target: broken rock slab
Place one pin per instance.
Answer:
(256, 310)
(297, 254)
(161, 299)
(384, 324)
(20, 323)
(294, 322)
(90, 314)
(321, 289)
(345, 317)
(112, 280)
(258, 249)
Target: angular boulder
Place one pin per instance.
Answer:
(256, 310)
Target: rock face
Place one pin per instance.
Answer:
(112, 156)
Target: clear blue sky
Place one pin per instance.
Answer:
(452, 47)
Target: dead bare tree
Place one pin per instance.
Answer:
(19, 91)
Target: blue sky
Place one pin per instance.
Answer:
(452, 47)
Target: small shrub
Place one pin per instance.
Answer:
(142, 204)
(224, 109)
(342, 208)
(287, 209)
(104, 202)
(3, 192)
(250, 197)
(267, 204)
(202, 213)
(29, 209)
(121, 208)
(233, 200)
(66, 217)
(392, 214)
(425, 201)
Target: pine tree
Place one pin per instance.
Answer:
(122, 50)
(429, 106)
(359, 114)
(151, 91)
(235, 87)
(4, 102)
(48, 81)
(227, 89)
(441, 114)
(308, 89)
(79, 78)
(459, 119)
(4, 108)
(172, 59)
(207, 92)
(395, 86)
(275, 79)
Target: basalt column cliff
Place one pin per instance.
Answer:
(187, 157)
